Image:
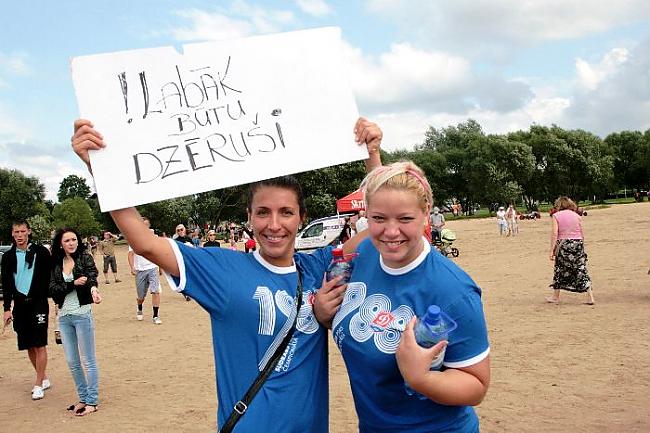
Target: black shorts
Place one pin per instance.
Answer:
(30, 323)
(110, 260)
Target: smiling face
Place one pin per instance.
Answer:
(396, 223)
(275, 216)
(69, 243)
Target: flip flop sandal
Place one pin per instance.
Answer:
(73, 407)
(86, 410)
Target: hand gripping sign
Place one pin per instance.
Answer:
(221, 114)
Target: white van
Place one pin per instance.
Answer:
(321, 232)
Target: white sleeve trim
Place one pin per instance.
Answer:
(181, 269)
(468, 362)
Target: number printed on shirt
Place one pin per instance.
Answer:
(267, 302)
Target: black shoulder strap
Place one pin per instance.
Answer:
(242, 405)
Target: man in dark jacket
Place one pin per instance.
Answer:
(25, 281)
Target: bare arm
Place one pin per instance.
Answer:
(465, 386)
(128, 220)
(554, 232)
(143, 241)
(369, 133)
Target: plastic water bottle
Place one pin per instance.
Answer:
(341, 265)
(430, 329)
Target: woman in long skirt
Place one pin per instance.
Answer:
(568, 252)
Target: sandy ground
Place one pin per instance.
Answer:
(555, 368)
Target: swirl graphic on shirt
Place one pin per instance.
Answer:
(376, 320)
(354, 297)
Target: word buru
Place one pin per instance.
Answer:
(208, 124)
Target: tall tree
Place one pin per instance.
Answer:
(41, 227)
(21, 197)
(629, 167)
(73, 186)
(76, 213)
(167, 214)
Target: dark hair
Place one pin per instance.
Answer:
(21, 222)
(57, 250)
(286, 182)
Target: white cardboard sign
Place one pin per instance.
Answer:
(220, 114)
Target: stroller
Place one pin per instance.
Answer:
(444, 243)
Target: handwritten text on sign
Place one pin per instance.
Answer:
(221, 114)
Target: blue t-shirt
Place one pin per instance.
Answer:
(24, 275)
(251, 302)
(378, 304)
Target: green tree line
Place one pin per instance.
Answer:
(461, 162)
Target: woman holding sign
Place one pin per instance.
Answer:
(262, 300)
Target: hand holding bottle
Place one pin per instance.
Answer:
(413, 360)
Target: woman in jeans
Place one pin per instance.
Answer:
(73, 286)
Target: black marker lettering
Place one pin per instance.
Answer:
(241, 111)
(170, 161)
(224, 86)
(234, 146)
(176, 92)
(136, 161)
(125, 90)
(214, 150)
(277, 127)
(250, 134)
(145, 93)
(208, 83)
(186, 90)
(191, 155)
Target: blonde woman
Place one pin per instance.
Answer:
(568, 252)
(396, 276)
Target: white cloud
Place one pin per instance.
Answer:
(14, 64)
(50, 164)
(615, 92)
(405, 75)
(590, 75)
(407, 128)
(210, 26)
(408, 78)
(239, 20)
(10, 128)
(316, 8)
(489, 28)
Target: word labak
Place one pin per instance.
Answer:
(207, 123)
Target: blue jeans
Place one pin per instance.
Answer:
(78, 335)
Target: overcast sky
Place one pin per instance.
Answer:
(413, 64)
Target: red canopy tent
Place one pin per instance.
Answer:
(351, 203)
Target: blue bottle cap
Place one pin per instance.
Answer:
(432, 316)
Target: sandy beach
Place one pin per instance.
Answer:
(555, 368)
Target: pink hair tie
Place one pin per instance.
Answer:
(423, 182)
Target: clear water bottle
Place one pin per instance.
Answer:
(430, 329)
(341, 265)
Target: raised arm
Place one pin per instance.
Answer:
(369, 133)
(128, 220)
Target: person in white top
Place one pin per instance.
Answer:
(146, 277)
(501, 221)
(437, 221)
(362, 222)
